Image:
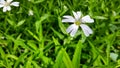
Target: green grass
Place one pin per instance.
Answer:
(41, 41)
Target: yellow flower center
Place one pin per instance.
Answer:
(6, 4)
(77, 23)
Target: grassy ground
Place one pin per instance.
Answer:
(41, 41)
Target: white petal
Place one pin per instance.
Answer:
(15, 4)
(9, 1)
(70, 28)
(68, 19)
(77, 15)
(87, 30)
(73, 32)
(1, 5)
(4, 9)
(87, 19)
(2, 1)
(8, 8)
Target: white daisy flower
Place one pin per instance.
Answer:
(77, 21)
(6, 4)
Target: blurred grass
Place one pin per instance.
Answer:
(41, 41)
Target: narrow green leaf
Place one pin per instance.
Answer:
(39, 22)
(10, 37)
(18, 37)
(93, 47)
(33, 35)
(96, 58)
(58, 60)
(58, 34)
(21, 58)
(32, 45)
(62, 27)
(38, 1)
(45, 59)
(109, 44)
(100, 17)
(66, 60)
(20, 23)
(2, 53)
(35, 64)
(12, 23)
(37, 25)
(55, 41)
(77, 55)
(29, 62)
(12, 56)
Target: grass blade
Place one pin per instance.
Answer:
(77, 55)
(66, 60)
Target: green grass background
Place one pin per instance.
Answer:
(41, 41)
